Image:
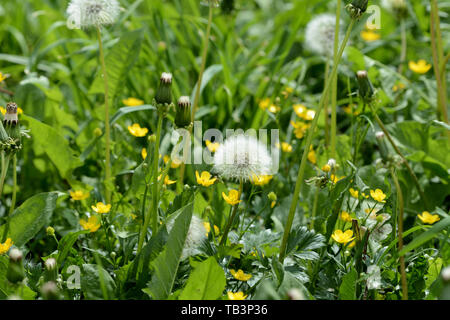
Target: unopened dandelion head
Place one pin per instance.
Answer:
(319, 34)
(242, 157)
(92, 13)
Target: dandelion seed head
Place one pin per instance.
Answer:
(319, 34)
(393, 5)
(241, 157)
(92, 13)
(374, 279)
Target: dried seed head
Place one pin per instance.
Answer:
(92, 13)
(11, 114)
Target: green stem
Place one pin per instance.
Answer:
(403, 46)
(107, 127)
(334, 82)
(325, 106)
(397, 150)
(400, 235)
(5, 164)
(223, 240)
(13, 199)
(301, 170)
(155, 196)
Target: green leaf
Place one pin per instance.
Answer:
(66, 243)
(90, 282)
(54, 145)
(28, 219)
(165, 266)
(347, 290)
(119, 61)
(426, 236)
(305, 241)
(206, 282)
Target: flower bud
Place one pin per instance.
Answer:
(366, 90)
(183, 114)
(272, 196)
(382, 145)
(50, 291)
(152, 138)
(50, 231)
(98, 132)
(164, 92)
(51, 270)
(15, 271)
(357, 8)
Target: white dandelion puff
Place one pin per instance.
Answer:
(394, 5)
(374, 279)
(242, 157)
(319, 34)
(92, 13)
(195, 236)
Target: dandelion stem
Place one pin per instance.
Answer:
(403, 46)
(5, 164)
(400, 234)
(334, 82)
(13, 199)
(325, 106)
(302, 167)
(223, 240)
(107, 127)
(155, 195)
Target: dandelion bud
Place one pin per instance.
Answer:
(51, 270)
(98, 132)
(152, 138)
(357, 8)
(50, 231)
(50, 291)
(183, 114)
(272, 196)
(382, 145)
(366, 90)
(15, 271)
(332, 163)
(164, 92)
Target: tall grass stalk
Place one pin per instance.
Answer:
(107, 127)
(302, 167)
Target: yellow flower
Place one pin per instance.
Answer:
(167, 180)
(299, 110)
(212, 146)
(348, 110)
(79, 195)
(205, 178)
(137, 131)
(144, 153)
(345, 216)
(274, 109)
(236, 295)
(310, 114)
(399, 86)
(343, 237)
(364, 195)
(240, 275)
(354, 193)
(312, 155)
(173, 165)
(351, 245)
(272, 204)
(264, 103)
(378, 195)
(100, 207)
(369, 35)
(300, 128)
(286, 147)
(4, 247)
(92, 224)
(420, 66)
(3, 110)
(261, 180)
(232, 198)
(208, 228)
(2, 77)
(132, 102)
(326, 168)
(428, 218)
(286, 92)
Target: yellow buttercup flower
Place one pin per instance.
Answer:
(310, 114)
(345, 216)
(2, 77)
(173, 165)
(137, 131)
(364, 195)
(205, 178)
(312, 155)
(260, 180)
(236, 295)
(348, 110)
(207, 226)
(419, 67)
(286, 147)
(92, 224)
(167, 180)
(100, 207)
(232, 197)
(326, 168)
(354, 193)
(286, 92)
(240, 275)
(79, 195)
(335, 178)
(399, 86)
(378, 195)
(144, 153)
(300, 128)
(428, 218)
(264, 103)
(5, 246)
(299, 110)
(369, 35)
(351, 245)
(132, 102)
(343, 237)
(212, 146)
(274, 109)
